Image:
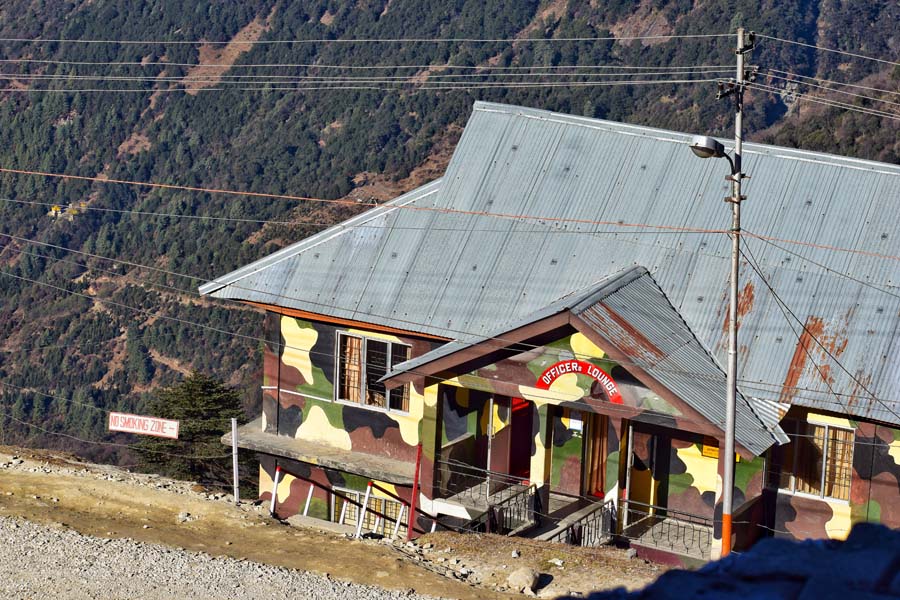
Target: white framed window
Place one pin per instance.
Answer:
(345, 513)
(361, 361)
(817, 462)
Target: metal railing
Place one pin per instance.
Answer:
(514, 513)
(665, 528)
(473, 485)
(594, 528)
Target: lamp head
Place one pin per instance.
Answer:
(707, 147)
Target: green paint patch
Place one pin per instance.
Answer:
(318, 509)
(612, 470)
(320, 388)
(570, 451)
(334, 411)
(869, 511)
(744, 470)
(657, 404)
(679, 484)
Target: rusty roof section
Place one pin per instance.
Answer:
(631, 315)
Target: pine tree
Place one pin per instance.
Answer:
(204, 407)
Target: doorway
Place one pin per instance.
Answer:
(594, 461)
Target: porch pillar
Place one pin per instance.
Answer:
(541, 454)
(430, 437)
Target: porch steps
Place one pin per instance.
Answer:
(559, 526)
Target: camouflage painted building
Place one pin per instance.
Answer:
(547, 322)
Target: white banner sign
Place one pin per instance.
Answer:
(143, 425)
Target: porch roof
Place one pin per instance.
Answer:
(629, 316)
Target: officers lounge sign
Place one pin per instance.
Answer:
(580, 367)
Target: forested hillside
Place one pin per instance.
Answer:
(79, 332)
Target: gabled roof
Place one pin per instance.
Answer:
(634, 321)
(435, 261)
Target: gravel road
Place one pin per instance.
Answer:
(38, 561)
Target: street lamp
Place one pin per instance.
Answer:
(707, 147)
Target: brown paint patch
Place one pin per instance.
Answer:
(812, 330)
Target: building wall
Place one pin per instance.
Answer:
(293, 486)
(299, 392)
(874, 485)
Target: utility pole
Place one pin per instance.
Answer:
(707, 147)
(735, 201)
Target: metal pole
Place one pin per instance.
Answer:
(411, 519)
(234, 461)
(731, 398)
(362, 511)
(275, 490)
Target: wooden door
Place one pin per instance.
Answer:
(594, 475)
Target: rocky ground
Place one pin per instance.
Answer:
(78, 530)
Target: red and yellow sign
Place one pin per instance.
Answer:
(580, 367)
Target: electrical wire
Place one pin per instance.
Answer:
(824, 49)
(419, 40)
(825, 101)
(834, 91)
(442, 66)
(815, 339)
(789, 74)
(412, 87)
(749, 384)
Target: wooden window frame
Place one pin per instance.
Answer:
(363, 389)
(806, 429)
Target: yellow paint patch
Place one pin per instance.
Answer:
(316, 428)
(642, 486)
(265, 482)
(409, 423)
(585, 348)
(894, 451)
(298, 342)
(564, 389)
(703, 469)
(375, 335)
(839, 525)
(388, 486)
(829, 420)
(498, 424)
(284, 487)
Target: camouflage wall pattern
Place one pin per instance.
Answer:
(874, 485)
(299, 392)
(673, 465)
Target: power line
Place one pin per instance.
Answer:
(420, 40)
(832, 82)
(833, 90)
(345, 79)
(815, 339)
(441, 66)
(829, 269)
(412, 87)
(622, 363)
(832, 50)
(112, 444)
(408, 206)
(745, 383)
(825, 101)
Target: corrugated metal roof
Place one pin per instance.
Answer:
(673, 355)
(455, 273)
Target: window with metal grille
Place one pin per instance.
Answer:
(361, 362)
(818, 461)
(346, 513)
